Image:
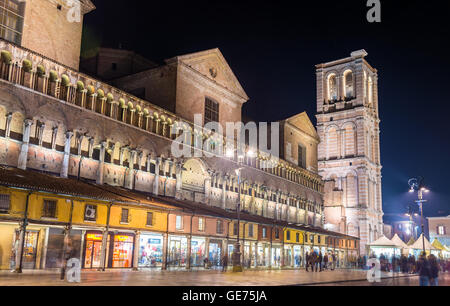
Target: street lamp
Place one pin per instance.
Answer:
(236, 257)
(416, 184)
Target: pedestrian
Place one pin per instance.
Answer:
(306, 261)
(325, 261)
(423, 268)
(434, 270)
(320, 261)
(224, 262)
(333, 257)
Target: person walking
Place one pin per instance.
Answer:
(325, 261)
(434, 270)
(224, 263)
(333, 257)
(423, 268)
(320, 261)
(307, 261)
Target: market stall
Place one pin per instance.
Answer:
(400, 244)
(417, 248)
(442, 249)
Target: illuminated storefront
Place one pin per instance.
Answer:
(93, 250)
(262, 255)
(122, 253)
(249, 254)
(215, 252)
(197, 251)
(150, 250)
(29, 248)
(288, 256)
(276, 256)
(119, 253)
(298, 256)
(177, 251)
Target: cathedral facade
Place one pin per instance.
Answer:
(349, 152)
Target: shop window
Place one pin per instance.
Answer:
(201, 224)
(264, 232)
(90, 213)
(149, 219)
(179, 223)
(219, 227)
(5, 203)
(288, 235)
(124, 216)
(49, 209)
(250, 230)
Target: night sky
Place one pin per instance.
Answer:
(272, 47)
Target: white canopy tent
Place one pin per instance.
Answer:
(417, 247)
(384, 246)
(400, 244)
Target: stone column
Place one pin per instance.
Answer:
(179, 184)
(65, 164)
(8, 125)
(91, 147)
(137, 241)
(101, 165)
(305, 203)
(224, 191)
(131, 171)
(156, 182)
(54, 135)
(23, 155)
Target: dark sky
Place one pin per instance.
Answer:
(272, 48)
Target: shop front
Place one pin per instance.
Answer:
(298, 256)
(55, 246)
(198, 246)
(122, 251)
(30, 248)
(215, 252)
(249, 254)
(92, 258)
(276, 256)
(119, 253)
(288, 256)
(177, 251)
(263, 254)
(150, 250)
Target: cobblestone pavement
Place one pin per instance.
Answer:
(209, 278)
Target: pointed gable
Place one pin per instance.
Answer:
(212, 64)
(303, 123)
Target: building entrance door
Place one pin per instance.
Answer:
(93, 251)
(215, 253)
(29, 249)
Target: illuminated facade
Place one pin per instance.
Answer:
(71, 127)
(349, 152)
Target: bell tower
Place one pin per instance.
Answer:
(348, 125)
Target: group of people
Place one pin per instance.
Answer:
(428, 270)
(318, 261)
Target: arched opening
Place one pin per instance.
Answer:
(332, 88)
(348, 85)
(194, 175)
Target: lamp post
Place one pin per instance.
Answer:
(416, 184)
(236, 256)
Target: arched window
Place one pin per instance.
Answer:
(348, 84)
(332, 88)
